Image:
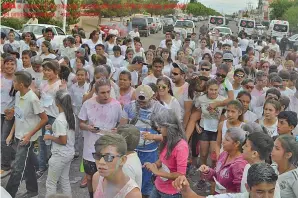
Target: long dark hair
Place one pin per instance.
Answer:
(167, 81)
(64, 100)
(175, 130)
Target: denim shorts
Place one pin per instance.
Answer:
(157, 194)
(89, 167)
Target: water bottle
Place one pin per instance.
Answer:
(48, 142)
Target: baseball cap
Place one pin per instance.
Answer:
(138, 59)
(144, 92)
(228, 56)
(81, 50)
(181, 66)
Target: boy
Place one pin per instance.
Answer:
(287, 121)
(133, 166)
(26, 59)
(29, 119)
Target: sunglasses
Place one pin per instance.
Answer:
(221, 75)
(249, 87)
(239, 75)
(175, 74)
(161, 86)
(205, 69)
(228, 61)
(107, 157)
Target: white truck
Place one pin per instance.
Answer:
(246, 24)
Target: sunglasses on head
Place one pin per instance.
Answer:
(239, 75)
(106, 157)
(221, 75)
(161, 86)
(205, 69)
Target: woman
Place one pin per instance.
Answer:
(24, 44)
(180, 57)
(165, 94)
(149, 57)
(11, 40)
(173, 156)
(245, 98)
(109, 44)
(271, 57)
(207, 57)
(265, 67)
(230, 165)
(47, 51)
(94, 39)
(285, 156)
(78, 40)
(166, 56)
(127, 93)
(158, 51)
(110, 180)
(87, 52)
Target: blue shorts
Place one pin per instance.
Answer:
(147, 184)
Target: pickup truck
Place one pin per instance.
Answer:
(36, 29)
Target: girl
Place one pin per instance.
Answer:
(47, 93)
(234, 119)
(149, 57)
(173, 155)
(230, 165)
(207, 57)
(24, 44)
(271, 57)
(239, 76)
(180, 57)
(129, 54)
(158, 51)
(285, 155)
(109, 44)
(138, 51)
(78, 40)
(80, 62)
(47, 51)
(166, 56)
(289, 65)
(265, 67)
(269, 119)
(207, 128)
(77, 92)
(94, 39)
(87, 52)
(63, 140)
(245, 98)
(165, 95)
(117, 60)
(11, 40)
(127, 93)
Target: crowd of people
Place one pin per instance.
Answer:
(225, 107)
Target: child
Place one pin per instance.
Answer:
(245, 98)
(117, 60)
(234, 119)
(132, 166)
(47, 94)
(80, 63)
(287, 121)
(63, 140)
(30, 117)
(77, 92)
(269, 119)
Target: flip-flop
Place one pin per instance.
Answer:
(4, 173)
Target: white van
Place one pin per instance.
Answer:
(278, 28)
(215, 21)
(182, 26)
(247, 25)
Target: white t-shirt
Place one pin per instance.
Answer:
(167, 70)
(7, 101)
(198, 53)
(243, 44)
(288, 92)
(92, 45)
(134, 34)
(250, 117)
(274, 47)
(162, 44)
(225, 87)
(60, 128)
(47, 97)
(23, 46)
(76, 93)
(98, 115)
(27, 110)
(55, 46)
(15, 45)
(133, 168)
(50, 56)
(175, 106)
(237, 53)
(181, 94)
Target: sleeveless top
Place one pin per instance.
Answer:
(272, 130)
(126, 98)
(225, 128)
(129, 186)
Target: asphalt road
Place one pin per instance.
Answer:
(75, 174)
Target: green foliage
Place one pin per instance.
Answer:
(279, 7)
(73, 11)
(6, 6)
(58, 23)
(15, 23)
(43, 9)
(291, 15)
(198, 9)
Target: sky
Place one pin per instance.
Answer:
(228, 6)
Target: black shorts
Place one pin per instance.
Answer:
(207, 135)
(89, 167)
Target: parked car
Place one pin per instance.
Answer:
(167, 25)
(142, 24)
(6, 30)
(122, 29)
(36, 29)
(223, 30)
(152, 25)
(195, 19)
(293, 41)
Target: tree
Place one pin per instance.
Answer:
(44, 10)
(279, 7)
(73, 11)
(291, 15)
(198, 9)
(6, 6)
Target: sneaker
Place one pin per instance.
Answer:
(4, 173)
(40, 173)
(28, 194)
(83, 183)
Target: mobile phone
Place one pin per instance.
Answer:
(97, 128)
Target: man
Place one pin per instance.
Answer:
(293, 106)
(217, 62)
(243, 43)
(33, 20)
(96, 118)
(274, 46)
(261, 182)
(236, 51)
(228, 60)
(134, 33)
(180, 90)
(177, 43)
(205, 69)
(48, 36)
(284, 89)
(163, 42)
(80, 52)
(140, 113)
(199, 52)
(114, 31)
(261, 82)
(192, 43)
(157, 67)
